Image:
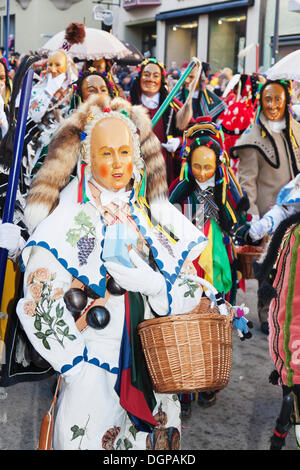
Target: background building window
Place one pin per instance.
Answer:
(227, 37)
(149, 40)
(181, 43)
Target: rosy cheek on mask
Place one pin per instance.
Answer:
(129, 168)
(103, 171)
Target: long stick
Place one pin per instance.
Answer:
(14, 173)
(172, 93)
(7, 28)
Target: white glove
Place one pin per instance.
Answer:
(259, 228)
(11, 239)
(54, 84)
(172, 144)
(141, 279)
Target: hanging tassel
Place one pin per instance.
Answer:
(186, 171)
(292, 137)
(181, 176)
(257, 114)
(82, 197)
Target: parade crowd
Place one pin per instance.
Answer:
(124, 198)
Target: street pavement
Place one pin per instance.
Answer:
(242, 418)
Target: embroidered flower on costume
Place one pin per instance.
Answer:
(109, 438)
(42, 275)
(29, 308)
(48, 323)
(36, 289)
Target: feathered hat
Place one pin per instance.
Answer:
(66, 150)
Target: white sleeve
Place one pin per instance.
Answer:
(48, 324)
(278, 214)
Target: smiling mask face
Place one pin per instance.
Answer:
(273, 102)
(111, 153)
(150, 79)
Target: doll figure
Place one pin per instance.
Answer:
(73, 246)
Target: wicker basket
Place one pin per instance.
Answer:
(246, 255)
(188, 353)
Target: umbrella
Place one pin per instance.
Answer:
(97, 44)
(287, 68)
(133, 58)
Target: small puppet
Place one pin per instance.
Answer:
(241, 323)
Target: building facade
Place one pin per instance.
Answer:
(213, 31)
(230, 33)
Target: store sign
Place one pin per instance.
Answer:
(140, 3)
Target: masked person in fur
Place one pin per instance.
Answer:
(208, 195)
(112, 236)
(269, 155)
(150, 89)
(279, 274)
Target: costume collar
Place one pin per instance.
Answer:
(207, 184)
(277, 126)
(107, 196)
(150, 102)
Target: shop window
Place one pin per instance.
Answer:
(181, 43)
(149, 40)
(227, 37)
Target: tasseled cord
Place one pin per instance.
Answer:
(184, 171)
(82, 197)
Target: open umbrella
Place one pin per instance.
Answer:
(97, 44)
(287, 68)
(133, 58)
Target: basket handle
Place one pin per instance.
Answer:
(221, 304)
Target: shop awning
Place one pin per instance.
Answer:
(213, 7)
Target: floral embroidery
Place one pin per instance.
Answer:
(83, 237)
(48, 327)
(109, 438)
(163, 438)
(29, 308)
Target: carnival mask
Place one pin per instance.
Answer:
(100, 65)
(203, 163)
(111, 153)
(150, 79)
(57, 64)
(273, 102)
(93, 84)
(2, 80)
